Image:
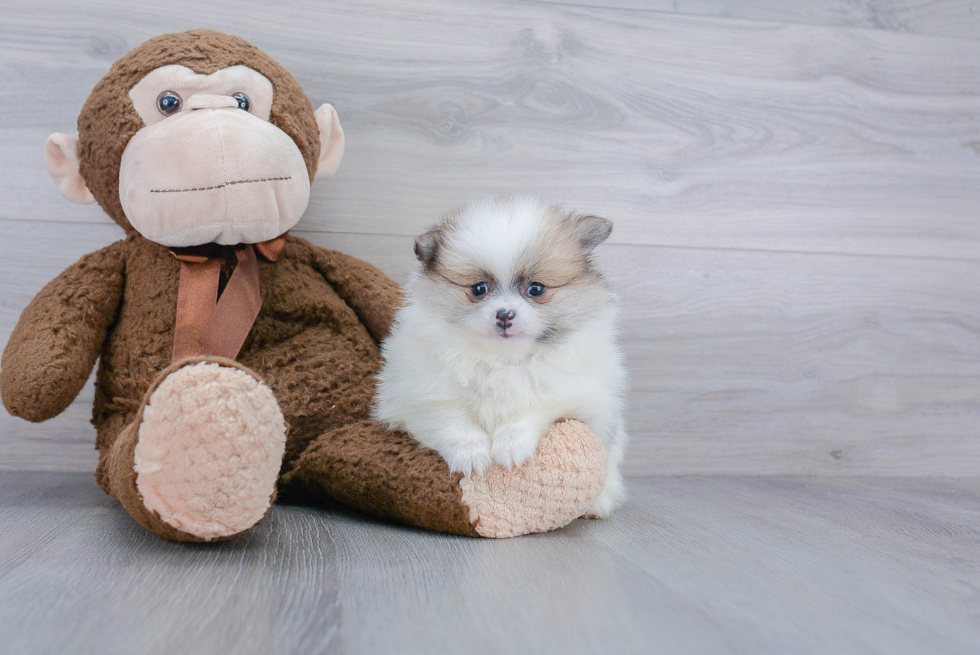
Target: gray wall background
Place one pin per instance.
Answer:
(795, 187)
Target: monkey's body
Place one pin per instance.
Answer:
(308, 343)
(195, 449)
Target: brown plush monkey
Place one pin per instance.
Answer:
(234, 358)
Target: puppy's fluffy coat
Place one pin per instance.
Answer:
(506, 328)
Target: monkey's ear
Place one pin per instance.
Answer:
(331, 141)
(61, 156)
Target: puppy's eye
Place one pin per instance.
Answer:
(535, 289)
(243, 102)
(479, 289)
(169, 103)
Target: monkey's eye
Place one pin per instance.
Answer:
(243, 102)
(535, 289)
(479, 289)
(169, 103)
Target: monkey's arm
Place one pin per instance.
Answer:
(373, 295)
(59, 336)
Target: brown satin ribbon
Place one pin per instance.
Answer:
(206, 324)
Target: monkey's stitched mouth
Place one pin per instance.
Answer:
(223, 185)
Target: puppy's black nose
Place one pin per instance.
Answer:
(505, 317)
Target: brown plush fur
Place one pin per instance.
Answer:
(314, 344)
(108, 120)
(58, 338)
(384, 473)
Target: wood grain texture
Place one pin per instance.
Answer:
(796, 238)
(955, 18)
(687, 131)
(133, 592)
(705, 565)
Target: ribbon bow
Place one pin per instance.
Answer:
(206, 324)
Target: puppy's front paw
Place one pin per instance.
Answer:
(468, 455)
(602, 508)
(612, 496)
(512, 444)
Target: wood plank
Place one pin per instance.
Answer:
(953, 18)
(766, 363)
(687, 131)
(847, 552)
(741, 362)
(273, 590)
(707, 565)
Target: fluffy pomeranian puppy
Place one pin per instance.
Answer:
(506, 328)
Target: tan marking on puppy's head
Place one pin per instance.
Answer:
(428, 244)
(513, 256)
(563, 250)
(434, 250)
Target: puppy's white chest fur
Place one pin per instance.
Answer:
(575, 380)
(498, 392)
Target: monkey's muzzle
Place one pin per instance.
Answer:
(212, 175)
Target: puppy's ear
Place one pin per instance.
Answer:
(590, 231)
(427, 246)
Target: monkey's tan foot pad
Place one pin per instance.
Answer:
(209, 451)
(551, 489)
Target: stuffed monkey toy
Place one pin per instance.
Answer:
(236, 360)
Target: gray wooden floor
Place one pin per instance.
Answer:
(691, 565)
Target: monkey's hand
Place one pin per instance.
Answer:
(372, 295)
(59, 336)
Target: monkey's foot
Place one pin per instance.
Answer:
(552, 488)
(209, 450)
(388, 474)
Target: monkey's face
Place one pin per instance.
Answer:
(217, 142)
(208, 165)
